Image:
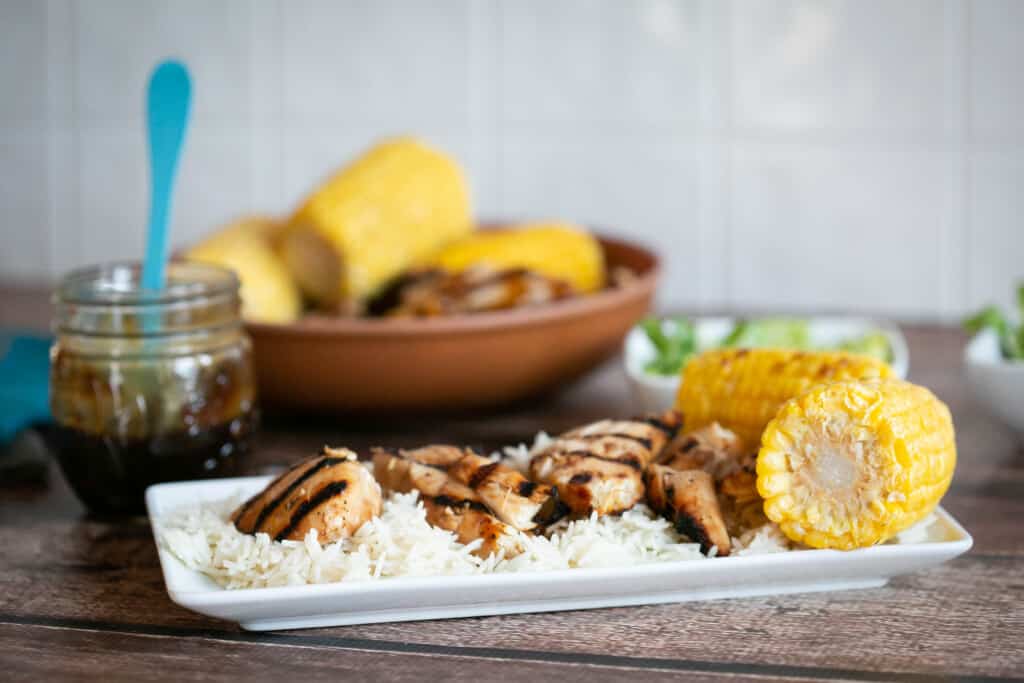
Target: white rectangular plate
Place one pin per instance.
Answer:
(443, 597)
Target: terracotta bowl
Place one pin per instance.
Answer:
(366, 366)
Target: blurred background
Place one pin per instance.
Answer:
(782, 155)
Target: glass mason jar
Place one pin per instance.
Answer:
(145, 386)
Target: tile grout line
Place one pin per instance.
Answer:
(952, 256)
(278, 120)
(728, 176)
(498, 100)
(253, 114)
(966, 175)
(266, 123)
(51, 146)
(478, 95)
(76, 135)
(57, 194)
(705, 156)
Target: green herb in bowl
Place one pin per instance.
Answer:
(676, 341)
(786, 333)
(672, 347)
(1011, 338)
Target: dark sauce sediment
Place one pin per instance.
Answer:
(110, 475)
(123, 424)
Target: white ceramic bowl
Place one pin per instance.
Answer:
(995, 381)
(654, 393)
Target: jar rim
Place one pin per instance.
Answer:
(120, 284)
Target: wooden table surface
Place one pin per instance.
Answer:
(84, 598)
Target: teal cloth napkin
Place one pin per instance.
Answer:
(24, 382)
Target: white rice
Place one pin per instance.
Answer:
(400, 542)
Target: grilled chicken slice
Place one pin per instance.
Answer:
(397, 472)
(587, 483)
(470, 521)
(723, 455)
(449, 504)
(742, 504)
(687, 499)
(597, 467)
(643, 438)
(437, 455)
(711, 448)
(512, 498)
(436, 292)
(331, 493)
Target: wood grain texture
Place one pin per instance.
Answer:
(27, 654)
(88, 593)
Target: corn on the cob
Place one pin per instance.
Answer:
(742, 389)
(557, 250)
(392, 207)
(246, 246)
(851, 464)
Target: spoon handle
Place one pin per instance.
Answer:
(168, 101)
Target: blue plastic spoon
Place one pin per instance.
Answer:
(168, 101)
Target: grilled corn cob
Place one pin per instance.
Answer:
(742, 389)
(557, 250)
(392, 207)
(850, 464)
(246, 246)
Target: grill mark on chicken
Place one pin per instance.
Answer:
(711, 448)
(685, 526)
(481, 474)
(269, 508)
(470, 525)
(687, 499)
(643, 441)
(662, 425)
(598, 467)
(322, 496)
(552, 510)
(609, 436)
(449, 501)
(438, 455)
(241, 512)
(589, 484)
(629, 459)
(403, 474)
(275, 511)
(506, 493)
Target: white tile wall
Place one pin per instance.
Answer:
(118, 41)
(824, 223)
(641, 185)
(23, 172)
(630, 64)
(996, 253)
(781, 154)
(811, 66)
(997, 55)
